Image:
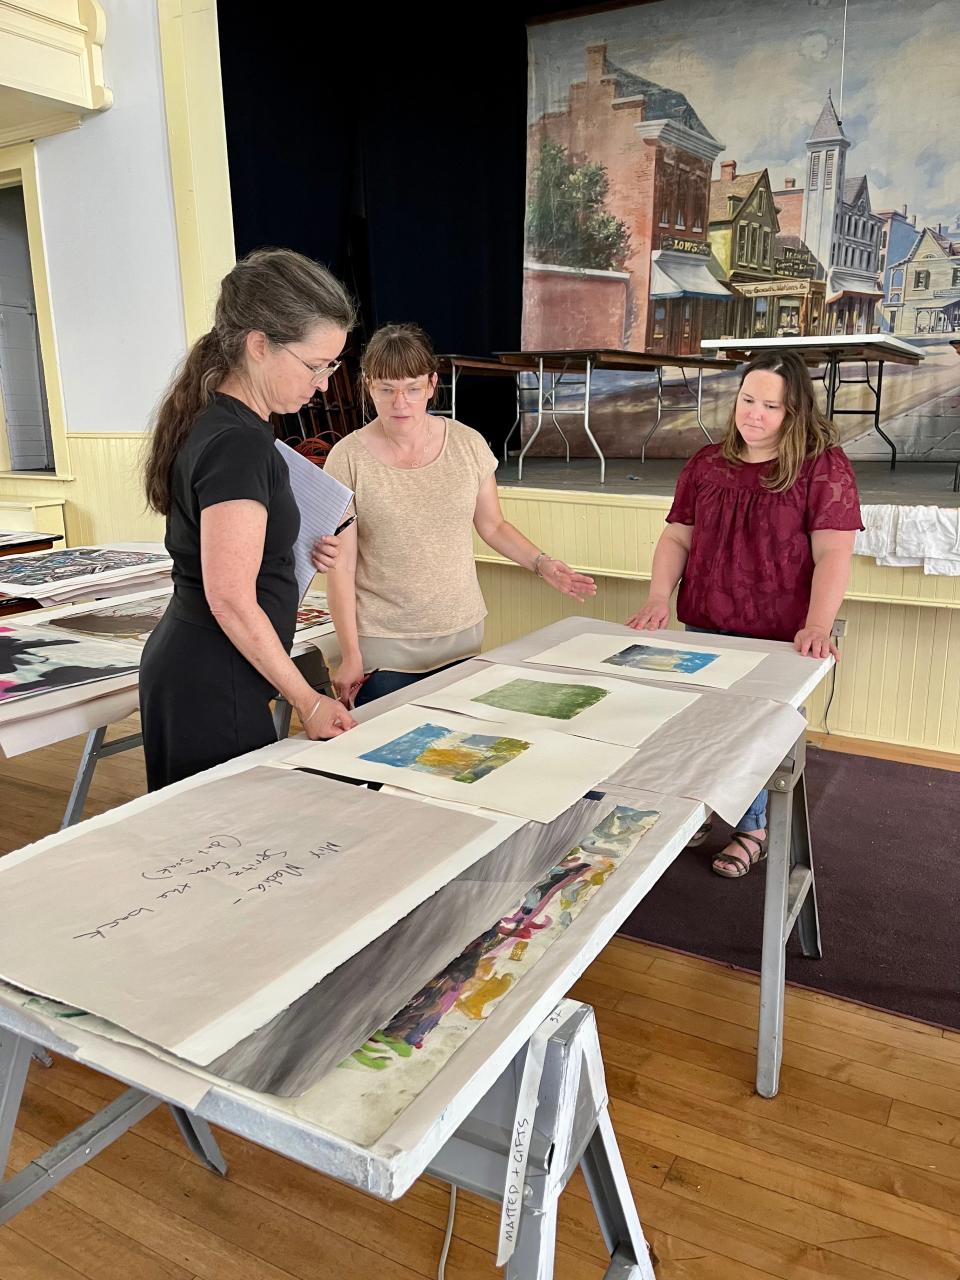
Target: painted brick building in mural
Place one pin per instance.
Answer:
(658, 157)
(769, 274)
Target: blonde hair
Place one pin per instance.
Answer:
(805, 431)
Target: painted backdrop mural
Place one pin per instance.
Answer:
(694, 172)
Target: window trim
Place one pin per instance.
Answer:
(18, 167)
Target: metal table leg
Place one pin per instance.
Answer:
(94, 749)
(586, 423)
(84, 1142)
(789, 900)
(516, 423)
(675, 408)
(536, 431)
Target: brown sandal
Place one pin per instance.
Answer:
(743, 864)
(700, 835)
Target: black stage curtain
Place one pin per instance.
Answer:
(390, 143)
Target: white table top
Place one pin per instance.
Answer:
(881, 343)
(301, 1127)
(783, 676)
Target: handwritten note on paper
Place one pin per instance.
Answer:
(322, 502)
(194, 919)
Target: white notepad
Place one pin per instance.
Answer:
(322, 502)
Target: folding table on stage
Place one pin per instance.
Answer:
(574, 369)
(833, 351)
(462, 1124)
(451, 368)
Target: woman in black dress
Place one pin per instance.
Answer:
(221, 651)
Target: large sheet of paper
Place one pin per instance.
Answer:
(131, 619)
(42, 573)
(322, 501)
(197, 919)
(35, 660)
(438, 753)
(722, 751)
(639, 656)
(586, 707)
(287, 1056)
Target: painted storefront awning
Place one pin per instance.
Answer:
(853, 285)
(681, 275)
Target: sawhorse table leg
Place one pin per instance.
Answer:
(790, 900)
(94, 749)
(84, 1142)
(571, 1128)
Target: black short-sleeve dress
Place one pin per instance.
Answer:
(201, 701)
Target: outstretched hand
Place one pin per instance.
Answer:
(567, 581)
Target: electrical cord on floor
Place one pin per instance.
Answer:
(833, 688)
(448, 1236)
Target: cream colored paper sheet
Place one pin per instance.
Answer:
(584, 706)
(438, 753)
(197, 919)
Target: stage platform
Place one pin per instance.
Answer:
(912, 484)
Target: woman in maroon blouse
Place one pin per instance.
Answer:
(760, 538)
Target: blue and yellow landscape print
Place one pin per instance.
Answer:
(644, 657)
(462, 757)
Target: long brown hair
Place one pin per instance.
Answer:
(273, 291)
(805, 432)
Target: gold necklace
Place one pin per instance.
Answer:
(409, 466)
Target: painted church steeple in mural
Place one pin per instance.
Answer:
(826, 169)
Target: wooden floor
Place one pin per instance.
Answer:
(853, 1172)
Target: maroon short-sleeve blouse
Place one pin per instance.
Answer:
(751, 563)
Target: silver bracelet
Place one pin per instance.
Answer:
(539, 561)
(313, 712)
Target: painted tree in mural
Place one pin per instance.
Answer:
(567, 224)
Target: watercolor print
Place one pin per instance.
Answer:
(465, 992)
(461, 757)
(643, 657)
(31, 663)
(311, 615)
(537, 698)
(131, 620)
(78, 562)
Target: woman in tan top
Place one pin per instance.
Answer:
(404, 593)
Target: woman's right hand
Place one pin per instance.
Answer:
(327, 719)
(654, 615)
(348, 678)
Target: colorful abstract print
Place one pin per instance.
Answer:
(461, 757)
(489, 967)
(644, 657)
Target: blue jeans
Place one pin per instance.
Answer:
(379, 683)
(755, 819)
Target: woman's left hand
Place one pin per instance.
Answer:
(566, 580)
(325, 553)
(816, 642)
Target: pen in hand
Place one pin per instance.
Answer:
(346, 525)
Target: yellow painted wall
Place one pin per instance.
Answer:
(899, 677)
(103, 502)
(98, 473)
